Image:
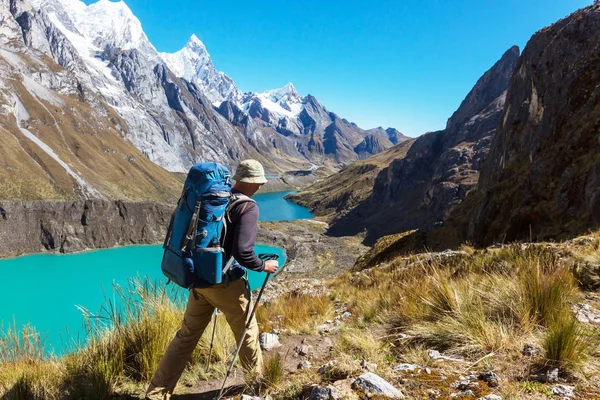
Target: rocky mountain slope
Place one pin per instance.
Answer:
(318, 134)
(90, 109)
(49, 226)
(339, 193)
(420, 189)
(60, 140)
(540, 179)
(542, 176)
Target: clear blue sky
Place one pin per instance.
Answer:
(406, 64)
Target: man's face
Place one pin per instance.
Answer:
(254, 187)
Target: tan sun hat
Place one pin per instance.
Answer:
(250, 171)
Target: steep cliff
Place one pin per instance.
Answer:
(542, 174)
(39, 226)
(541, 178)
(420, 189)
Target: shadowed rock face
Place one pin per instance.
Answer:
(542, 174)
(421, 189)
(66, 227)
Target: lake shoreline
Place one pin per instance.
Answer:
(70, 227)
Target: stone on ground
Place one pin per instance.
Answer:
(324, 393)
(490, 397)
(372, 384)
(269, 341)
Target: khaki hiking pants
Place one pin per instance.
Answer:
(232, 299)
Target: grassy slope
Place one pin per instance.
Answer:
(347, 188)
(480, 306)
(89, 140)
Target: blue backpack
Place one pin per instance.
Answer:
(193, 249)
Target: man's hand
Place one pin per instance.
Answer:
(271, 266)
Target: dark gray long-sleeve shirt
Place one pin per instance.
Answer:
(240, 237)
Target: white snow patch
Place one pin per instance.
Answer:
(41, 92)
(12, 58)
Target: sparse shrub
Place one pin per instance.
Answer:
(361, 344)
(546, 291)
(297, 312)
(274, 370)
(566, 344)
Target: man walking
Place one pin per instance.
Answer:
(231, 296)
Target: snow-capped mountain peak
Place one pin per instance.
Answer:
(193, 63)
(104, 23)
(286, 94)
(283, 101)
(195, 44)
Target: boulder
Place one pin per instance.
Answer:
(372, 384)
(490, 377)
(324, 393)
(563, 391)
(269, 341)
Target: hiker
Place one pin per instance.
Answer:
(231, 296)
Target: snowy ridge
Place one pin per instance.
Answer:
(178, 109)
(103, 24)
(284, 101)
(194, 64)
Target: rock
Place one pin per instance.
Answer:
(328, 327)
(406, 367)
(586, 314)
(344, 389)
(530, 350)
(325, 368)
(433, 393)
(305, 365)
(368, 366)
(550, 376)
(466, 385)
(563, 391)
(303, 350)
(490, 397)
(507, 208)
(324, 393)
(464, 393)
(269, 341)
(66, 227)
(490, 377)
(246, 397)
(436, 355)
(372, 384)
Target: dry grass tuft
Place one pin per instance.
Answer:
(296, 312)
(566, 343)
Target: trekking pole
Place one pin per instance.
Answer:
(264, 257)
(212, 340)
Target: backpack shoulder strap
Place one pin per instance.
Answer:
(236, 199)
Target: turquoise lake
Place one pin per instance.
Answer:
(45, 290)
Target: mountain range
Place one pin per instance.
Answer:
(426, 179)
(518, 161)
(90, 109)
